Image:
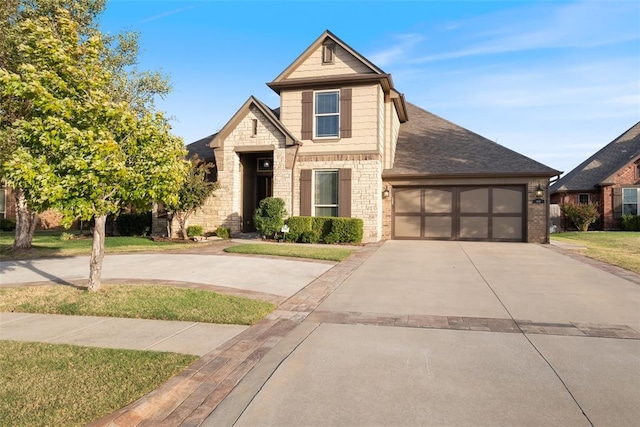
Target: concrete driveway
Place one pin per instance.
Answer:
(455, 334)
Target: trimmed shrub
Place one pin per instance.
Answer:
(194, 230)
(630, 223)
(309, 236)
(134, 224)
(582, 216)
(223, 232)
(297, 226)
(269, 216)
(7, 224)
(306, 229)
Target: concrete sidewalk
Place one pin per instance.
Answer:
(110, 332)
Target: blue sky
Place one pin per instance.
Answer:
(553, 80)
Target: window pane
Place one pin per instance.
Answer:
(327, 126)
(326, 188)
(628, 209)
(327, 103)
(630, 195)
(327, 211)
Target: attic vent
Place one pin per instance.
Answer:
(328, 52)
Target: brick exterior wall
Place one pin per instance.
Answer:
(625, 177)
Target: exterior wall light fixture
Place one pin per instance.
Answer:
(385, 192)
(539, 193)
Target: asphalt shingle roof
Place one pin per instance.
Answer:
(599, 167)
(201, 148)
(431, 145)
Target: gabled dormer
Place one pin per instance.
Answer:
(334, 99)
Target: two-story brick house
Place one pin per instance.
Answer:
(344, 142)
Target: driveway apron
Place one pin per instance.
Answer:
(455, 333)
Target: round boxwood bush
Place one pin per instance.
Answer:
(194, 230)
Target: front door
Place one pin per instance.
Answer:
(257, 184)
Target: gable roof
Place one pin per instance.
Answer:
(429, 145)
(599, 169)
(374, 74)
(315, 45)
(216, 141)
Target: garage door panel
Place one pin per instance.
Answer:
(408, 200)
(506, 200)
(474, 200)
(438, 200)
(408, 227)
(509, 228)
(438, 227)
(474, 227)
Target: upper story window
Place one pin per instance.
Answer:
(327, 114)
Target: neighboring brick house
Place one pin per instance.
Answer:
(7, 205)
(610, 178)
(344, 142)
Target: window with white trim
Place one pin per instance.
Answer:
(326, 114)
(630, 201)
(325, 193)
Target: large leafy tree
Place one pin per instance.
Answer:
(192, 194)
(84, 149)
(12, 13)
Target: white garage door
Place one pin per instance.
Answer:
(493, 213)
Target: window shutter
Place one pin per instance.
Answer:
(305, 192)
(344, 193)
(345, 112)
(307, 115)
(617, 203)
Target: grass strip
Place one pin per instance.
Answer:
(136, 301)
(289, 250)
(621, 248)
(48, 243)
(64, 385)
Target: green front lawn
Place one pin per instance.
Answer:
(621, 248)
(133, 301)
(63, 385)
(329, 253)
(49, 243)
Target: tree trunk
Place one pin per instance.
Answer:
(97, 253)
(26, 221)
(182, 220)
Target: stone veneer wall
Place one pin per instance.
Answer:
(366, 187)
(225, 207)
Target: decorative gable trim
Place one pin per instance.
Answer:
(219, 138)
(326, 38)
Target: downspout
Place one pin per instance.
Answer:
(293, 168)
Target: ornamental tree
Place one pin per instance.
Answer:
(82, 150)
(12, 13)
(192, 194)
